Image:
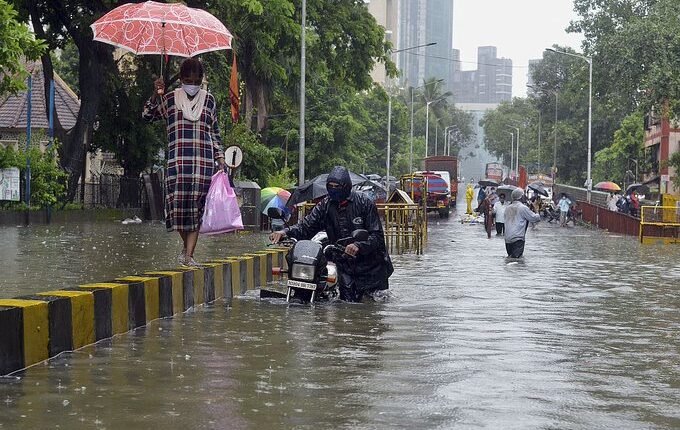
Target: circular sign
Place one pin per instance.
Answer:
(233, 157)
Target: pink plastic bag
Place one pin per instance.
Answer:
(221, 214)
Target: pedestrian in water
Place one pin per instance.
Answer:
(499, 214)
(517, 219)
(564, 204)
(469, 195)
(194, 147)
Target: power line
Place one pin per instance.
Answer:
(466, 62)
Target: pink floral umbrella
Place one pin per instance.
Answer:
(162, 28)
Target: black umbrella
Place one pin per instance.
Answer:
(538, 187)
(488, 183)
(507, 190)
(315, 188)
(639, 188)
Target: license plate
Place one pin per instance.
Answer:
(299, 284)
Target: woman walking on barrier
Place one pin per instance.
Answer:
(194, 145)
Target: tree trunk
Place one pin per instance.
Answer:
(250, 92)
(94, 60)
(262, 109)
(48, 70)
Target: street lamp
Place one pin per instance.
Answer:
(389, 110)
(413, 90)
(556, 94)
(427, 121)
(589, 180)
(447, 133)
(517, 157)
(303, 68)
(512, 150)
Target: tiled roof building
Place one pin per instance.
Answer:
(13, 108)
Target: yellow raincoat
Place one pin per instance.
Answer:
(469, 195)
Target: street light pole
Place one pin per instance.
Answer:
(512, 151)
(589, 60)
(389, 135)
(413, 89)
(303, 67)
(539, 142)
(427, 122)
(554, 169)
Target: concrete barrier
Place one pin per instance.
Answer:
(37, 327)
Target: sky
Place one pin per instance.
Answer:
(520, 29)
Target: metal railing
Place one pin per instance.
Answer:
(659, 224)
(405, 227)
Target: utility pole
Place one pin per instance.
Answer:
(303, 70)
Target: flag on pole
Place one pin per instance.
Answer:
(233, 90)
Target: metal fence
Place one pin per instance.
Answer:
(614, 222)
(112, 191)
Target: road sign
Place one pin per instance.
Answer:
(233, 157)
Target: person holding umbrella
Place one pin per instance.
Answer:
(194, 147)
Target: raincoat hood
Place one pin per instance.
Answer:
(339, 175)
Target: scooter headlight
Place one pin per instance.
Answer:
(302, 272)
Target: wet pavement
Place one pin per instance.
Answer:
(583, 333)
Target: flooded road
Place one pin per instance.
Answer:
(581, 334)
(40, 258)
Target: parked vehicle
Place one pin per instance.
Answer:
(431, 187)
(494, 172)
(446, 163)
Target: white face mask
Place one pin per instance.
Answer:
(191, 90)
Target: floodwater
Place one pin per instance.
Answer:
(581, 334)
(47, 257)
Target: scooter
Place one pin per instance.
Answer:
(312, 274)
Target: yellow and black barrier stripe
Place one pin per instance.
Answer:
(36, 327)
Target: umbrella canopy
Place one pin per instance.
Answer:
(316, 188)
(538, 188)
(162, 28)
(507, 190)
(607, 186)
(638, 188)
(488, 183)
(274, 197)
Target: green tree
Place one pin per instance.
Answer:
(17, 43)
(612, 162)
(57, 22)
(635, 46)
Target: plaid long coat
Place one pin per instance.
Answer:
(192, 149)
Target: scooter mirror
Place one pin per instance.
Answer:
(360, 235)
(275, 213)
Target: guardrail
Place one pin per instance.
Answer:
(614, 222)
(659, 224)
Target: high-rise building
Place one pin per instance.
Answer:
(491, 82)
(411, 23)
(385, 13)
(530, 75)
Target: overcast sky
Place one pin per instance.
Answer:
(521, 29)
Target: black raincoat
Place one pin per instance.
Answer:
(372, 266)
